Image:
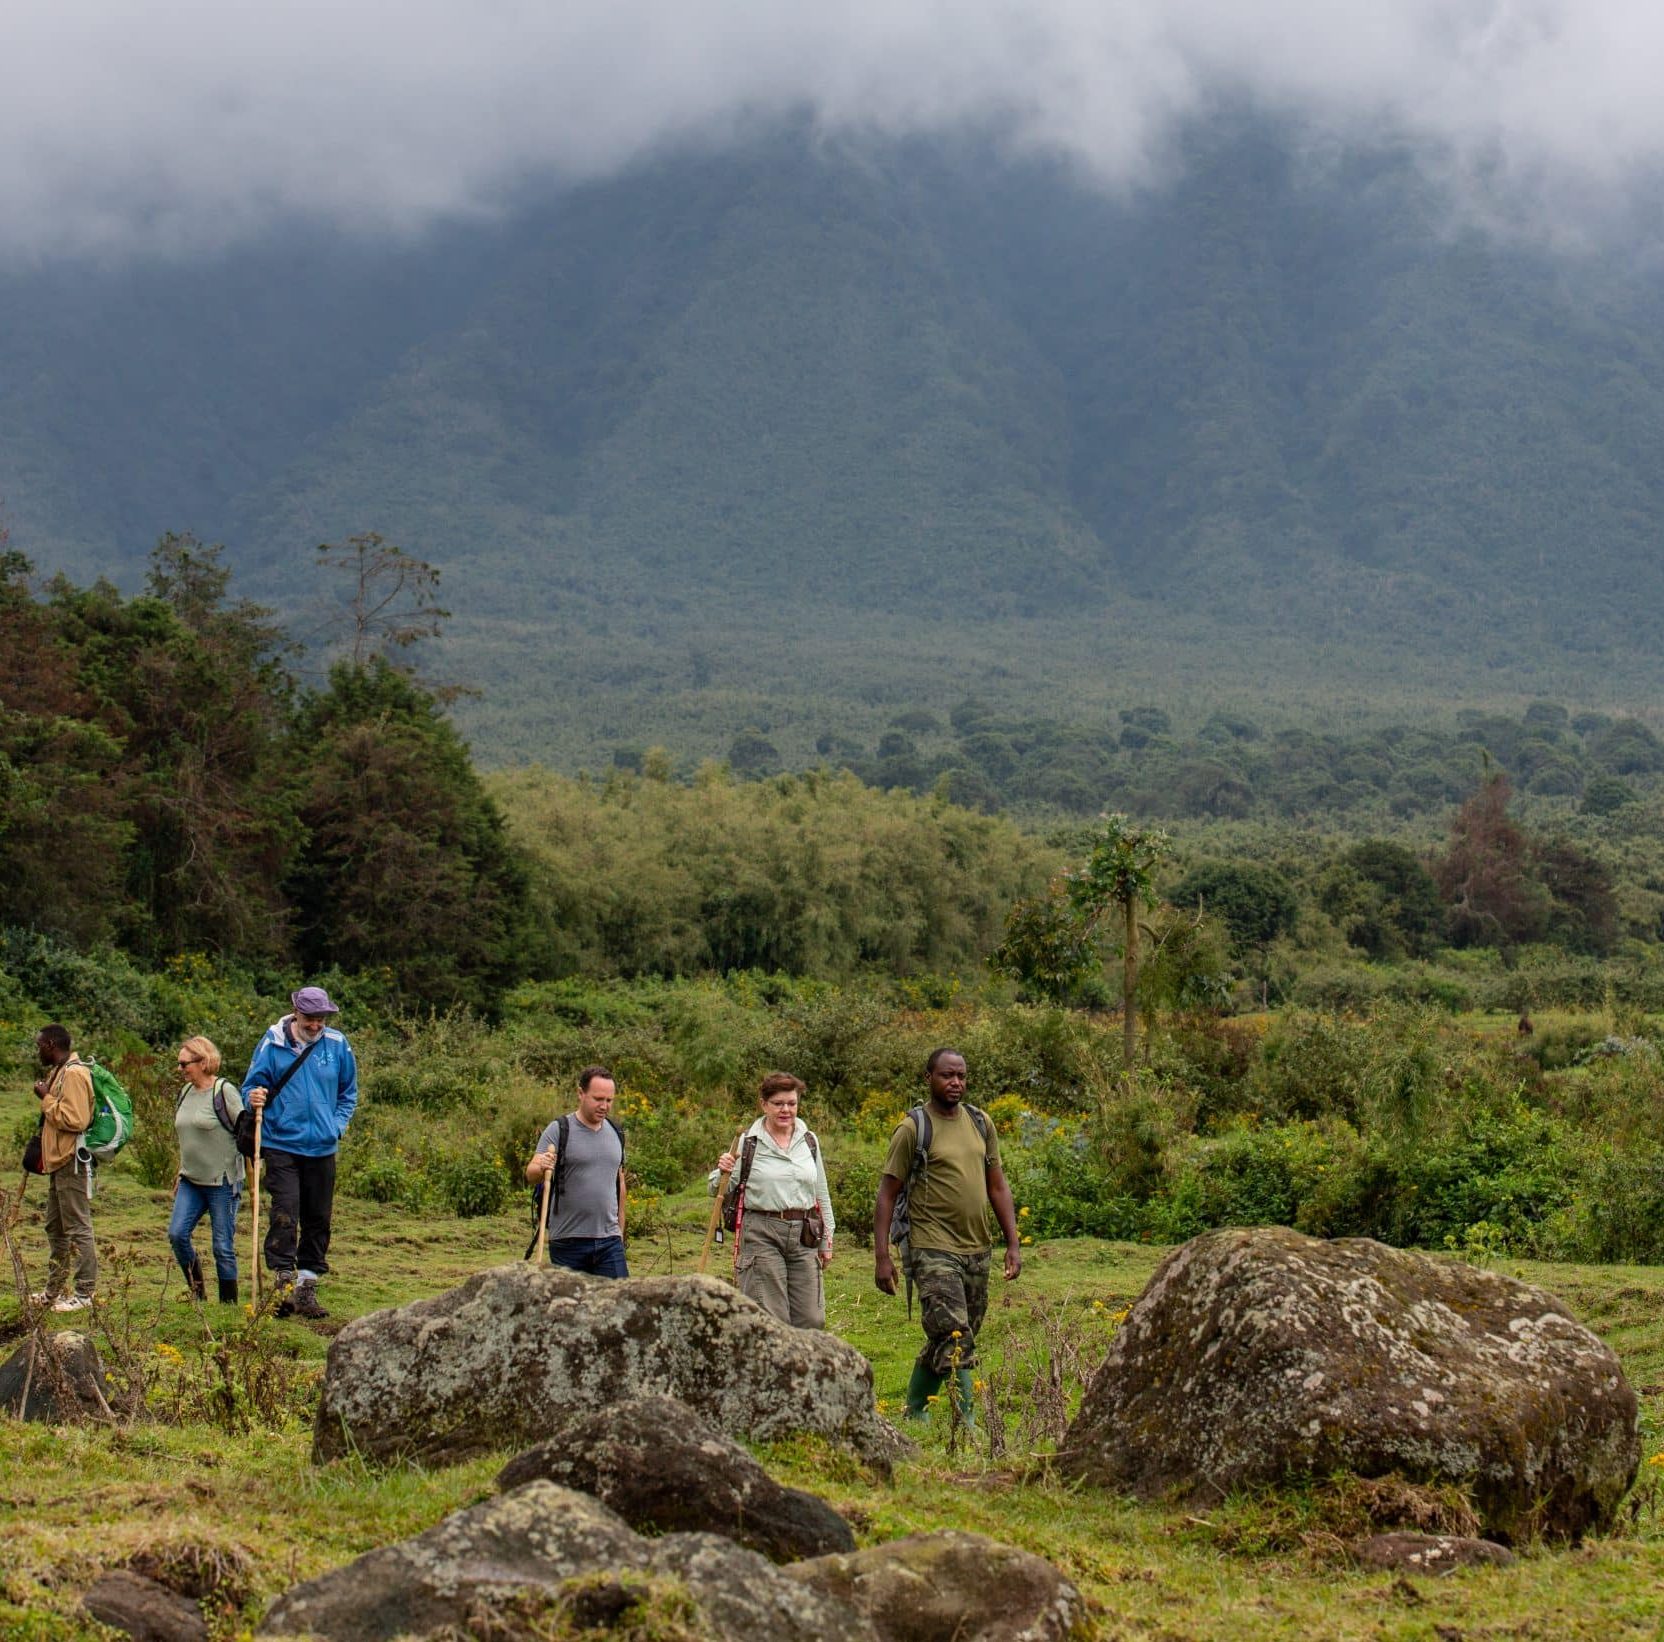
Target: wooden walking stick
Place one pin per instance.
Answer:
(254, 1235)
(716, 1208)
(543, 1211)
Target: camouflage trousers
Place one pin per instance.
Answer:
(953, 1300)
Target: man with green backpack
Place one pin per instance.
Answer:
(940, 1179)
(67, 1108)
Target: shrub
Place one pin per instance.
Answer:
(471, 1186)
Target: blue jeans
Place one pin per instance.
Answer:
(599, 1256)
(220, 1204)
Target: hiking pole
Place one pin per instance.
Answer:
(716, 1216)
(543, 1214)
(716, 1208)
(254, 1235)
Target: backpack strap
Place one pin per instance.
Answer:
(221, 1110)
(563, 1132)
(618, 1184)
(920, 1118)
(748, 1154)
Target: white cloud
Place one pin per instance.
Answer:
(185, 121)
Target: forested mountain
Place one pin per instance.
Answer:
(796, 433)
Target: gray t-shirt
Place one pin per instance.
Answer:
(588, 1204)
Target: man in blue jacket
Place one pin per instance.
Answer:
(303, 1076)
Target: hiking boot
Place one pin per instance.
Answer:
(228, 1292)
(193, 1276)
(306, 1302)
(45, 1297)
(73, 1302)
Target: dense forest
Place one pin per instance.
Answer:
(173, 785)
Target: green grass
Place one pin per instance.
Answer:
(80, 1498)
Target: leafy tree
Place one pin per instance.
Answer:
(751, 753)
(1584, 911)
(407, 867)
(1384, 899)
(1256, 904)
(1606, 793)
(1627, 747)
(1117, 875)
(1049, 947)
(193, 688)
(63, 833)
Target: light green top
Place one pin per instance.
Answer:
(785, 1177)
(208, 1155)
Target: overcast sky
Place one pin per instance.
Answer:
(173, 123)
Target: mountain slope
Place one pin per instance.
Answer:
(852, 423)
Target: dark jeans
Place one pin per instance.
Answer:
(599, 1256)
(219, 1203)
(301, 1191)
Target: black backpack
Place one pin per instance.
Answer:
(562, 1130)
(901, 1220)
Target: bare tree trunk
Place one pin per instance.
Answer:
(1129, 990)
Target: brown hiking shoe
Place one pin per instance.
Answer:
(306, 1302)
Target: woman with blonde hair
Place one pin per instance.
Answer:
(785, 1231)
(210, 1168)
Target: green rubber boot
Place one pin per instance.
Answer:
(920, 1389)
(964, 1381)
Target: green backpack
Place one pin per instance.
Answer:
(112, 1113)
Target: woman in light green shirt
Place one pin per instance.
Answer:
(785, 1196)
(210, 1168)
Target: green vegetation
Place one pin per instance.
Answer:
(1257, 1567)
(796, 437)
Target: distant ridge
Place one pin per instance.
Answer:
(1282, 403)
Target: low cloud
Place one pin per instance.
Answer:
(196, 122)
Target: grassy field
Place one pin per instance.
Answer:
(78, 1499)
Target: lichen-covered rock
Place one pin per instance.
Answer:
(1428, 1553)
(500, 1568)
(494, 1362)
(663, 1469)
(949, 1587)
(55, 1377)
(1260, 1355)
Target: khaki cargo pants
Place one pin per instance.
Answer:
(69, 1229)
(777, 1272)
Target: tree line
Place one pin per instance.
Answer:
(168, 785)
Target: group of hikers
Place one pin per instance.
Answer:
(292, 1108)
(940, 1179)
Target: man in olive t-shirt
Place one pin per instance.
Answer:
(948, 1246)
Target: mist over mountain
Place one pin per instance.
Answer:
(812, 424)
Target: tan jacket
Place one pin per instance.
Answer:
(67, 1107)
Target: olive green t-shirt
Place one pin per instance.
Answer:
(949, 1207)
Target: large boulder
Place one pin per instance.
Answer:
(950, 1587)
(497, 1361)
(664, 1470)
(1260, 1355)
(54, 1376)
(510, 1566)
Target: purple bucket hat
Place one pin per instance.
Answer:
(312, 1000)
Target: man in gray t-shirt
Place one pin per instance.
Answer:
(586, 1209)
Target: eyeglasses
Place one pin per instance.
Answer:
(189, 1060)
